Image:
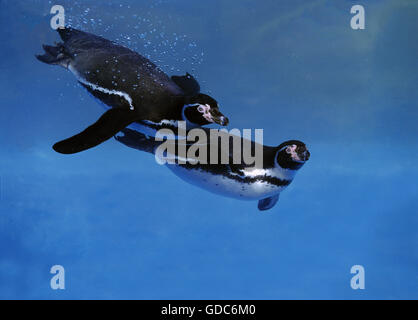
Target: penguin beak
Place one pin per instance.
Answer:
(304, 155)
(217, 117)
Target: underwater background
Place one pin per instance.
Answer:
(124, 227)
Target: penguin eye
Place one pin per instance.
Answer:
(289, 150)
(201, 109)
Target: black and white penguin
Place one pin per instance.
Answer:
(240, 181)
(137, 93)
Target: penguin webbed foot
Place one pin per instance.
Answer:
(267, 203)
(187, 83)
(53, 55)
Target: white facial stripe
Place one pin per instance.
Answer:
(184, 116)
(101, 89)
(184, 108)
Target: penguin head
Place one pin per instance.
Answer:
(292, 154)
(202, 109)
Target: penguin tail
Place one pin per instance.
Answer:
(53, 55)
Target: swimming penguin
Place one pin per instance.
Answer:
(237, 180)
(137, 93)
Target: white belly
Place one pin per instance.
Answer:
(226, 186)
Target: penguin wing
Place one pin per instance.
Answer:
(187, 83)
(268, 203)
(110, 123)
(137, 140)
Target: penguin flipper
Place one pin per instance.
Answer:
(267, 203)
(136, 140)
(110, 123)
(187, 83)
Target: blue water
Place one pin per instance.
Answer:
(123, 226)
